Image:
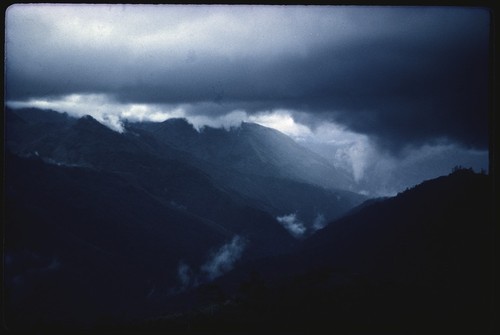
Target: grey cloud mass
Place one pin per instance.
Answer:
(402, 75)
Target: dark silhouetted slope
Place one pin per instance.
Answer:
(419, 263)
(81, 244)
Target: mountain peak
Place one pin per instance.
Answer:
(256, 126)
(179, 121)
(89, 121)
(259, 130)
(89, 127)
(87, 118)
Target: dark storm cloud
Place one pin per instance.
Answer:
(402, 75)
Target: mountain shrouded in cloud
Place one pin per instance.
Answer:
(401, 75)
(251, 149)
(204, 164)
(394, 80)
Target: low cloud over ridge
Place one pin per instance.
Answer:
(365, 87)
(401, 75)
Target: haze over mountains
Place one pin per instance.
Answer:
(248, 168)
(108, 228)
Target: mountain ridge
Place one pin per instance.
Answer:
(277, 154)
(230, 159)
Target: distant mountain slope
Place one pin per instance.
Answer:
(251, 149)
(311, 205)
(421, 263)
(263, 165)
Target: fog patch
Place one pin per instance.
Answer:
(319, 222)
(388, 175)
(218, 263)
(292, 224)
(282, 121)
(223, 259)
(342, 147)
(113, 122)
(226, 121)
(185, 275)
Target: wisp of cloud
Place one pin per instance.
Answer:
(319, 222)
(217, 264)
(185, 275)
(223, 259)
(292, 224)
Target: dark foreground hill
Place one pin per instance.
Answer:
(81, 244)
(418, 263)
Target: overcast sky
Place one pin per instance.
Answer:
(364, 86)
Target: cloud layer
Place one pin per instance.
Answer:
(400, 75)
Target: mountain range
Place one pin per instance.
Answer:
(258, 163)
(125, 201)
(163, 222)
